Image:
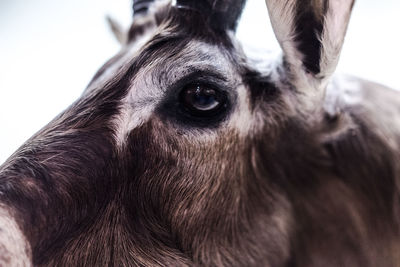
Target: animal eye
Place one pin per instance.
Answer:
(202, 100)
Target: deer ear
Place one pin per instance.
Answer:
(311, 34)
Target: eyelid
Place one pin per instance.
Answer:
(204, 77)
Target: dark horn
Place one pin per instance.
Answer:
(141, 6)
(222, 14)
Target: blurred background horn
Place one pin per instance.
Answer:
(222, 14)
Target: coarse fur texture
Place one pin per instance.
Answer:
(298, 168)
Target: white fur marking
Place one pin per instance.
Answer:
(14, 249)
(242, 119)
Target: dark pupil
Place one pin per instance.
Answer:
(201, 99)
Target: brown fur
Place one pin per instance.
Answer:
(295, 188)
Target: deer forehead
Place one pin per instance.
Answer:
(152, 82)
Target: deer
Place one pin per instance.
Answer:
(185, 151)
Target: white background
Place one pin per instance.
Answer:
(49, 50)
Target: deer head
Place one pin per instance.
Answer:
(182, 152)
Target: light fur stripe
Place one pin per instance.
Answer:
(14, 248)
